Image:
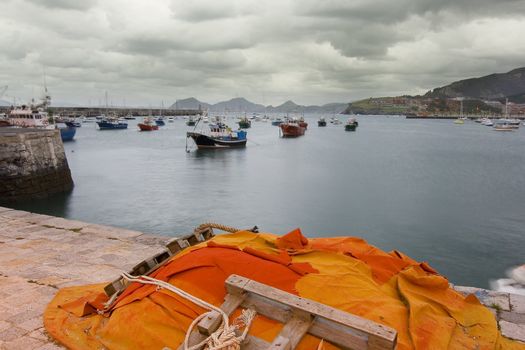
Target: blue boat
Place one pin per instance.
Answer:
(67, 133)
(160, 121)
(277, 122)
(107, 124)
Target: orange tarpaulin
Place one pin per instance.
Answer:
(345, 273)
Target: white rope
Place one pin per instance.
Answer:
(224, 337)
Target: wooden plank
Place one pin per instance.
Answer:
(210, 323)
(281, 343)
(292, 332)
(340, 328)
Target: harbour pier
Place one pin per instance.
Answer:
(40, 254)
(74, 112)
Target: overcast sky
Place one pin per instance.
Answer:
(311, 51)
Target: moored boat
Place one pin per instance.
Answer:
(321, 122)
(73, 124)
(245, 123)
(160, 121)
(111, 124)
(351, 124)
(503, 126)
(292, 128)
(220, 136)
(28, 117)
(302, 123)
(191, 121)
(335, 121)
(148, 125)
(67, 133)
(277, 122)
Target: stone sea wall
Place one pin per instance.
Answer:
(33, 164)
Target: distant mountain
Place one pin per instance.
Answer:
(189, 103)
(240, 104)
(292, 107)
(489, 87)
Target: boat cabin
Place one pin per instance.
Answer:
(27, 117)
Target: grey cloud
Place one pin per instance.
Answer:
(305, 50)
(65, 4)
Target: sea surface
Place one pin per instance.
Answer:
(451, 195)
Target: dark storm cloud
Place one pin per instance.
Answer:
(307, 50)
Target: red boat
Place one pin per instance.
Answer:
(148, 125)
(293, 129)
(303, 124)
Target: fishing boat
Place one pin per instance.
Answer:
(219, 136)
(67, 133)
(160, 121)
(501, 125)
(351, 124)
(302, 123)
(335, 121)
(190, 121)
(111, 124)
(277, 122)
(245, 123)
(292, 128)
(28, 117)
(148, 125)
(321, 122)
(73, 124)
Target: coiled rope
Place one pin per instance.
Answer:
(223, 227)
(224, 338)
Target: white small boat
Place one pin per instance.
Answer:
(503, 126)
(170, 119)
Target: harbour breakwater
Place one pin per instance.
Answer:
(33, 164)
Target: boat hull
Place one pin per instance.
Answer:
(350, 127)
(292, 130)
(321, 123)
(204, 141)
(111, 126)
(67, 134)
(147, 127)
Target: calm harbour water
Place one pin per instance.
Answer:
(451, 195)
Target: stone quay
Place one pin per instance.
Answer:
(33, 164)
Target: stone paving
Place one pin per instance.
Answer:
(40, 254)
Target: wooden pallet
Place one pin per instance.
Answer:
(147, 266)
(299, 316)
